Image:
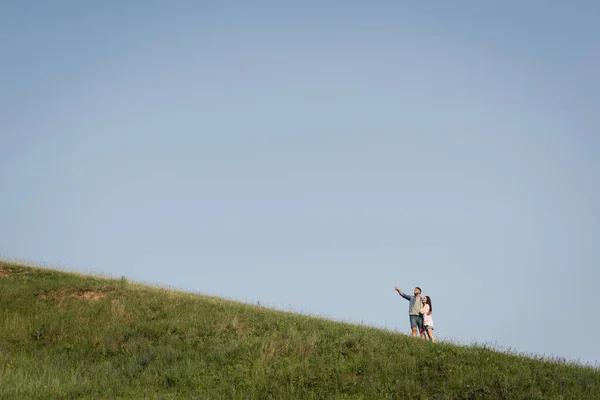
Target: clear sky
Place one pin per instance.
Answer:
(312, 157)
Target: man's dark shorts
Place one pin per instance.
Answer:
(416, 321)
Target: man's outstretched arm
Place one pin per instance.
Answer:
(401, 294)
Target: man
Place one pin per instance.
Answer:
(414, 307)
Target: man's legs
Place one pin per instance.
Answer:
(414, 324)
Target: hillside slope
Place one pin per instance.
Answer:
(67, 336)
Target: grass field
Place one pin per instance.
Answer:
(70, 336)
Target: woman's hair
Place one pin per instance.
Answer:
(428, 301)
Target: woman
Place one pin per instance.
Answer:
(427, 319)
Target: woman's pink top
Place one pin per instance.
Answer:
(427, 320)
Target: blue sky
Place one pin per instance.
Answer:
(312, 157)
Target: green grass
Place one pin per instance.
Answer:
(70, 336)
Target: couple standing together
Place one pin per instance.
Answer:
(419, 312)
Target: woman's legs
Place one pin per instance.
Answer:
(430, 334)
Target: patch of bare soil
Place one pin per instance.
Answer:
(62, 294)
(90, 295)
(4, 273)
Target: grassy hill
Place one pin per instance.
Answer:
(70, 336)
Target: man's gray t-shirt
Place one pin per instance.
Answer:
(415, 304)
